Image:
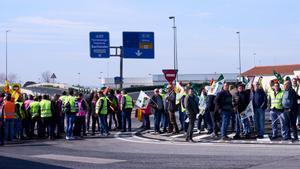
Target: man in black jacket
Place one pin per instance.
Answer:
(223, 102)
(158, 106)
(289, 102)
(192, 109)
(171, 108)
(240, 103)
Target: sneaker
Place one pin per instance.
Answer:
(67, 138)
(273, 137)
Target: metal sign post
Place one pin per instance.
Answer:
(118, 52)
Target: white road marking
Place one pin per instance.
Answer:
(201, 136)
(177, 135)
(77, 159)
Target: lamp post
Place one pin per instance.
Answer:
(175, 41)
(240, 62)
(6, 54)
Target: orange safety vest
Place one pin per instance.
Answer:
(9, 110)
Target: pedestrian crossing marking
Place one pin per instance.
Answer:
(92, 160)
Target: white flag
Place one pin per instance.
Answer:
(248, 112)
(143, 100)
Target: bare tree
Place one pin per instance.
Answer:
(12, 78)
(46, 76)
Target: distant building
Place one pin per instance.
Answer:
(267, 72)
(159, 79)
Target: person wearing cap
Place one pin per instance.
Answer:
(157, 105)
(276, 112)
(259, 101)
(289, 103)
(171, 108)
(191, 107)
(164, 117)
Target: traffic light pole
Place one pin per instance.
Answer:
(118, 52)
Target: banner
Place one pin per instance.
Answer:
(248, 112)
(278, 77)
(143, 100)
(216, 86)
(16, 91)
(179, 90)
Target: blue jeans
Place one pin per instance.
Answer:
(9, 129)
(18, 128)
(70, 123)
(146, 121)
(164, 121)
(126, 117)
(245, 123)
(103, 123)
(275, 116)
(259, 118)
(225, 115)
(298, 115)
(157, 118)
(182, 117)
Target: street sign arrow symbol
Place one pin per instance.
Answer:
(138, 53)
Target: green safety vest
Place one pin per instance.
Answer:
(182, 103)
(72, 101)
(21, 112)
(46, 108)
(34, 108)
(104, 106)
(64, 99)
(128, 103)
(276, 101)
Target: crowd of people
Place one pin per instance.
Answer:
(72, 115)
(215, 113)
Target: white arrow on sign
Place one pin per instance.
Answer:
(138, 53)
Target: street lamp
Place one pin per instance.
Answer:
(6, 54)
(175, 42)
(240, 63)
(254, 57)
(78, 79)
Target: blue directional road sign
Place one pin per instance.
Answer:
(138, 45)
(99, 45)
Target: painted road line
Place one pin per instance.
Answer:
(177, 135)
(201, 136)
(91, 160)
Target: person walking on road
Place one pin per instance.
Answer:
(101, 111)
(47, 117)
(191, 107)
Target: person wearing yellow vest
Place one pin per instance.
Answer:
(35, 112)
(46, 117)
(126, 108)
(70, 105)
(63, 99)
(101, 111)
(20, 116)
(277, 111)
(9, 110)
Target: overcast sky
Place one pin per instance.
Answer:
(54, 35)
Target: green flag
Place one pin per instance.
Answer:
(221, 77)
(278, 77)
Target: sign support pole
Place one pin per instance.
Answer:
(119, 53)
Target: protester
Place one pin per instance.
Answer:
(101, 111)
(259, 101)
(289, 103)
(276, 112)
(158, 107)
(191, 106)
(35, 112)
(170, 98)
(164, 117)
(47, 110)
(126, 108)
(9, 110)
(223, 102)
(203, 113)
(80, 125)
(112, 110)
(70, 114)
(240, 103)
